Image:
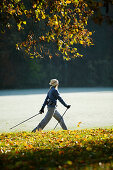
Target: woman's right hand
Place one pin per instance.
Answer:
(41, 110)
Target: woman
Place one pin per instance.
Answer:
(51, 101)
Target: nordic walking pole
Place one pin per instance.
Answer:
(25, 120)
(60, 119)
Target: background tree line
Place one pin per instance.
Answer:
(95, 68)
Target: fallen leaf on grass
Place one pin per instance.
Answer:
(78, 125)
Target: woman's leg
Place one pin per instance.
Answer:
(46, 119)
(60, 119)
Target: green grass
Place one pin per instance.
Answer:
(88, 149)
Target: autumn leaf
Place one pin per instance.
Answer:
(61, 152)
(69, 162)
(78, 125)
(68, 2)
(35, 5)
(90, 33)
(81, 42)
(24, 22)
(43, 38)
(50, 56)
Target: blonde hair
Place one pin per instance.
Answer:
(54, 82)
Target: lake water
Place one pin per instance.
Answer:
(91, 106)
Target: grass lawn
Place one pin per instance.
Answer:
(87, 149)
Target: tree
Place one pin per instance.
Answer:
(65, 23)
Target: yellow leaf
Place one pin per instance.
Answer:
(78, 125)
(69, 162)
(25, 11)
(88, 148)
(81, 42)
(36, 13)
(71, 35)
(43, 15)
(12, 12)
(56, 22)
(68, 2)
(90, 33)
(50, 56)
(75, 49)
(19, 26)
(71, 42)
(67, 59)
(24, 22)
(31, 57)
(34, 6)
(43, 38)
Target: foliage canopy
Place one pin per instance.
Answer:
(65, 22)
(62, 22)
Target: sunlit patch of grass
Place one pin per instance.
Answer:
(78, 149)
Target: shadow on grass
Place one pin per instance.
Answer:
(98, 156)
